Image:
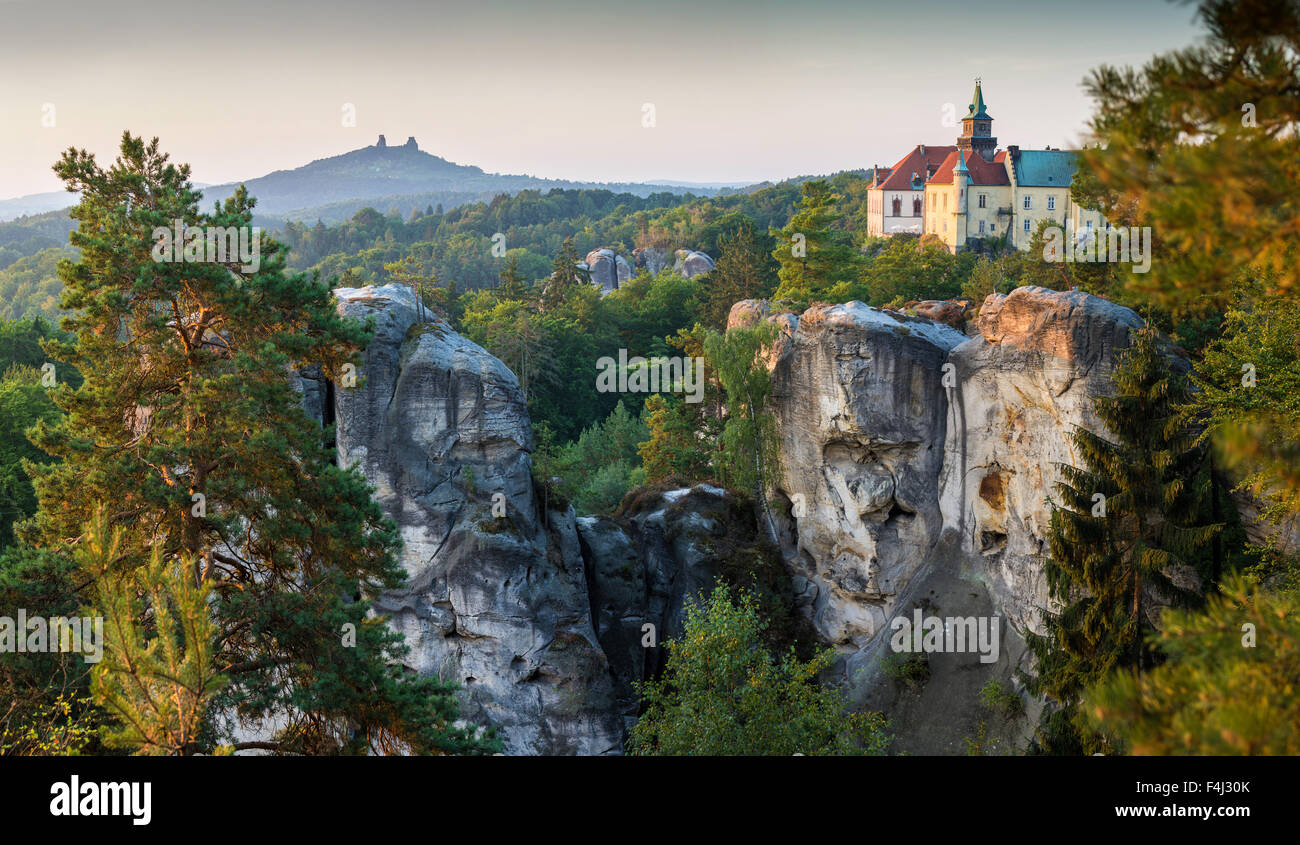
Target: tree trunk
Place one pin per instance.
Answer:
(760, 492)
(1217, 569)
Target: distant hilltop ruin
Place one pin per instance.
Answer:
(410, 144)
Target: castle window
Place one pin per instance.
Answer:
(1051, 203)
(898, 207)
(1029, 202)
(981, 223)
(916, 207)
(983, 198)
(1026, 220)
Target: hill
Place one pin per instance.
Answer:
(333, 189)
(396, 177)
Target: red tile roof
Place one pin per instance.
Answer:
(922, 160)
(981, 172)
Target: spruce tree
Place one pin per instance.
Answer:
(749, 459)
(813, 254)
(1227, 688)
(188, 428)
(675, 449)
(1130, 526)
(565, 273)
(744, 270)
(511, 283)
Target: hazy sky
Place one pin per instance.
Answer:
(742, 91)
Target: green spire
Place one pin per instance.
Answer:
(977, 103)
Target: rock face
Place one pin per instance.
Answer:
(898, 432)
(541, 617)
(951, 312)
(608, 269)
(1285, 536)
(641, 571)
(439, 428)
(690, 263)
(859, 406)
(651, 259)
(915, 466)
(1023, 384)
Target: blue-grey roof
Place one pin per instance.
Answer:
(977, 109)
(1045, 168)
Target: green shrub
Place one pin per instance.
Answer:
(724, 693)
(910, 670)
(1000, 699)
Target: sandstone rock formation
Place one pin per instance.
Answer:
(438, 426)
(608, 269)
(916, 465)
(641, 571)
(896, 431)
(951, 312)
(691, 263)
(651, 259)
(541, 617)
(1023, 384)
(859, 407)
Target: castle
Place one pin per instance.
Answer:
(972, 191)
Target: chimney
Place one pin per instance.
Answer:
(920, 148)
(382, 143)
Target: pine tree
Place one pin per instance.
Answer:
(187, 425)
(512, 284)
(409, 271)
(1130, 528)
(744, 270)
(749, 460)
(565, 273)
(1216, 118)
(814, 256)
(521, 339)
(675, 447)
(156, 677)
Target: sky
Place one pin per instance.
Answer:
(738, 91)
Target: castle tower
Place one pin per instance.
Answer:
(961, 185)
(977, 128)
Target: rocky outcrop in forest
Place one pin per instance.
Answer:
(498, 604)
(917, 464)
(540, 616)
(916, 459)
(608, 269)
